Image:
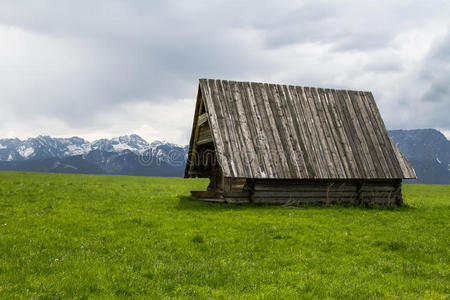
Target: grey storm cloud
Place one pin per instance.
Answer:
(117, 67)
(436, 71)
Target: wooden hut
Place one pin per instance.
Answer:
(283, 144)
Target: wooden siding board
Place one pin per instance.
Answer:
(369, 137)
(261, 138)
(318, 126)
(254, 145)
(315, 136)
(345, 118)
(280, 163)
(278, 130)
(298, 123)
(254, 128)
(331, 135)
(271, 147)
(342, 140)
(311, 141)
(223, 124)
(365, 161)
(363, 136)
(320, 106)
(247, 139)
(244, 138)
(227, 105)
(292, 136)
(376, 137)
(342, 143)
(288, 151)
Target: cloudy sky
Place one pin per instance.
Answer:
(107, 68)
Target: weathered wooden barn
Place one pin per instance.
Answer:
(283, 144)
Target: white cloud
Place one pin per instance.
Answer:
(152, 121)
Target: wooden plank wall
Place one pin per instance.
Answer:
(326, 192)
(300, 192)
(204, 135)
(289, 132)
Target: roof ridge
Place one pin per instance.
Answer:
(283, 84)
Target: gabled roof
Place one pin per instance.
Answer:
(265, 130)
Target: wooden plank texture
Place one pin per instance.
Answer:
(274, 131)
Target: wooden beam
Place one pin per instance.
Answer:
(194, 125)
(200, 173)
(202, 119)
(205, 140)
(194, 146)
(204, 135)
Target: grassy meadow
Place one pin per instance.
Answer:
(89, 236)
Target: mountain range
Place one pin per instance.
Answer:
(126, 155)
(428, 150)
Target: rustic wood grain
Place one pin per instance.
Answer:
(274, 131)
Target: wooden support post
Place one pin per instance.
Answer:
(398, 192)
(227, 183)
(359, 184)
(194, 146)
(250, 186)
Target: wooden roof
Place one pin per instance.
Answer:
(265, 130)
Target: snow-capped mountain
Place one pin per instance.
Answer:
(41, 147)
(46, 147)
(133, 143)
(128, 154)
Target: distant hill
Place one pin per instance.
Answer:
(428, 150)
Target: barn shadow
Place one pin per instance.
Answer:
(187, 202)
(191, 203)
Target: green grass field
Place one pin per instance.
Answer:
(80, 236)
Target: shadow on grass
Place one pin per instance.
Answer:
(192, 203)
